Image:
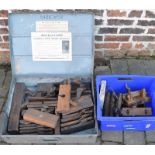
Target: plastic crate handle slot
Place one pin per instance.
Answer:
(125, 79)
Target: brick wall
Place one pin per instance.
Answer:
(118, 33)
(4, 43)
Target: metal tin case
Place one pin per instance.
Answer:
(24, 69)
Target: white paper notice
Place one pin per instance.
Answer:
(55, 46)
(54, 26)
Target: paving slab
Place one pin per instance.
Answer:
(150, 67)
(7, 79)
(136, 67)
(1, 103)
(134, 138)
(3, 124)
(111, 143)
(150, 136)
(150, 143)
(102, 70)
(112, 136)
(3, 92)
(6, 85)
(2, 77)
(119, 66)
(98, 141)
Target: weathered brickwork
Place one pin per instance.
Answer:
(125, 33)
(117, 33)
(4, 41)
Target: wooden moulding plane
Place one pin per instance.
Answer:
(52, 109)
(41, 118)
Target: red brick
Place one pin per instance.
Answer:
(146, 22)
(144, 53)
(97, 12)
(3, 13)
(132, 53)
(139, 45)
(98, 21)
(119, 22)
(116, 13)
(114, 53)
(131, 31)
(151, 46)
(151, 31)
(143, 38)
(3, 31)
(7, 57)
(104, 30)
(150, 14)
(116, 38)
(98, 38)
(3, 22)
(126, 45)
(4, 45)
(107, 45)
(6, 38)
(135, 13)
(138, 52)
(4, 57)
(110, 53)
(99, 54)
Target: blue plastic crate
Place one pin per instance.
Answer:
(117, 83)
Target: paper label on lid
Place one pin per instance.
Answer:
(51, 46)
(51, 26)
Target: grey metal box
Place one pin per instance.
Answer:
(24, 69)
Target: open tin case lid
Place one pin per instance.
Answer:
(25, 28)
